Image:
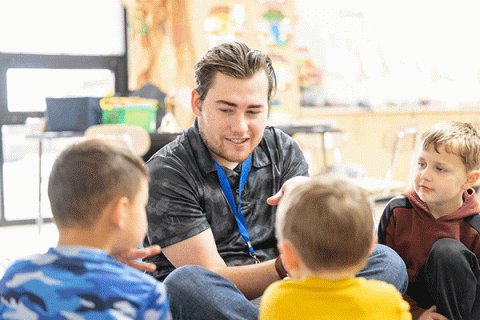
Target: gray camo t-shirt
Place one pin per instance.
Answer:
(186, 197)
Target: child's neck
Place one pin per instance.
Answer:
(76, 237)
(444, 209)
(333, 274)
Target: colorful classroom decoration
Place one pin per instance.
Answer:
(284, 74)
(274, 28)
(272, 3)
(309, 79)
(224, 24)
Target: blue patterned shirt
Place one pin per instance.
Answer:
(79, 283)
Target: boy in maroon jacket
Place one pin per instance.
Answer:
(435, 227)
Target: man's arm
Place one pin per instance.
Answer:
(201, 250)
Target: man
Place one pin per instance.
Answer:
(228, 160)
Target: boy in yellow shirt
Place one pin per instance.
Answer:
(325, 234)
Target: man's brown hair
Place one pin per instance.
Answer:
(89, 175)
(233, 59)
(459, 138)
(329, 222)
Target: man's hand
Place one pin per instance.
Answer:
(130, 256)
(431, 314)
(289, 184)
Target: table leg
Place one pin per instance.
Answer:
(39, 218)
(324, 150)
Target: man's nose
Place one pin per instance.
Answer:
(240, 124)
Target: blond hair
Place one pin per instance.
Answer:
(459, 138)
(329, 222)
(89, 175)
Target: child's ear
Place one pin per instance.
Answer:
(374, 242)
(290, 258)
(472, 179)
(119, 212)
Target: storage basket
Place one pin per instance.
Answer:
(130, 110)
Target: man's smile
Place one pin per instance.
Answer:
(237, 141)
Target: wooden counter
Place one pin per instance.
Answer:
(368, 136)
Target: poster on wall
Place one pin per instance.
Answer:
(274, 29)
(283, 71)
(224, 23)
(272, 3)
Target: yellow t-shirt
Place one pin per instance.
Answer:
(317, 298)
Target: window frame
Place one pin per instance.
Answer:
(118, 64)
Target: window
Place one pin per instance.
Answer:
(86, 27)
(28, 88)
(50, 48)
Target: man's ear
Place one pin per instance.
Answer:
(119, 212)
(472, 179)
(290, 258)
(196, 105)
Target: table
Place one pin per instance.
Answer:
(319, 129)
(41, 137)
(158, 140)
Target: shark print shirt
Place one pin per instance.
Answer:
(71, 282)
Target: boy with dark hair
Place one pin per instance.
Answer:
(325, 232)
(98, 191)
(434, 228)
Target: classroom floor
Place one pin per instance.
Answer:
(21, 241)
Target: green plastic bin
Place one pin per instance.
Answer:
(142, 116)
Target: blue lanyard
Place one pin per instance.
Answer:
(227, 191)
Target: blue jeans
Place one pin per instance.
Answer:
(386, 265)
(196, 293)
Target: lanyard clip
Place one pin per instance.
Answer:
(254, 256)
(252, 252)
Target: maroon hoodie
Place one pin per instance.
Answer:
(408, 228)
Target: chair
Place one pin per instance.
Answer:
(387, 187)
(135, 137)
